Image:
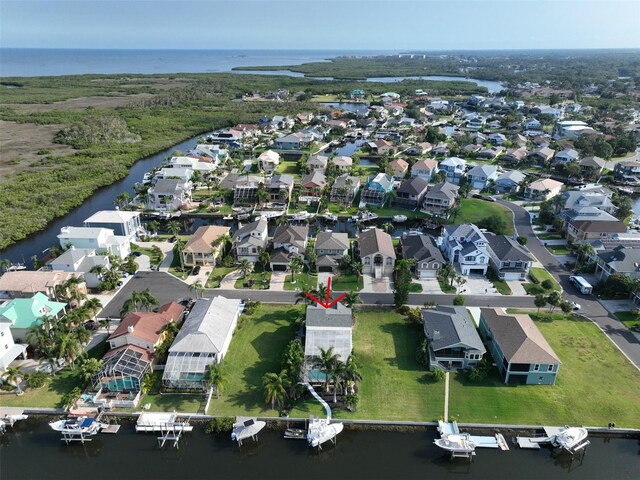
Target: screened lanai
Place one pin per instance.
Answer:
(123, 370)
(186, 370)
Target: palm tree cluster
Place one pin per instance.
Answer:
(342, 375)
(278, 388)
(138, 301)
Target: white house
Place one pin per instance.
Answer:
(425, 168)
(81, 261)
(123, 223)
(543, 189)
(466, 247)
(250, 239)
(9, 350)
(479, 176)
(192, 163)
(268, 161)
(102, 240)
(170, 194)
(454, 167)
(328, 328)
(568, 155)
(180, 173)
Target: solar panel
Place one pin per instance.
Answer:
(249, 422)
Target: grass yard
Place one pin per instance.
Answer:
(217, 275)
(539, 275)
(629, 319)
(472, 210)
(346, 283)
(156, 259)
(595, 385)
(559, 249)
(445, 287)
(500, 285)
(394, 385)
(415, 287)
(256, 280)
(550, 236)
(289, 167)
(256, 349)
(304, 280)
(169, 402)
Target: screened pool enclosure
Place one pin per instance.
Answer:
(186, 370)
(123, 371)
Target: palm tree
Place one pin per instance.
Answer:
(295, 265)
(246, 267)
(301, 296)
(147, 299)
(337, 375)
(153, 226)
(320, 292)
(274, 387)
(540, 302)
(327, 362)
(174, 227)
(264, 258)
(584, 250)
(89, 367)
(105, 323)
(460, 280)
(198, 287)
(216, 378)
(351, 373)
(13, 376)
(352, 298)
(387, 227)
(5, 264)
(93, 306)
(447, 273)
(69, 347)
(123, 199)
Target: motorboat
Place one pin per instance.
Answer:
(321, 431)
(304, 215)
(456, 443)
(146, 179)
(399, 218)
(570, 438)
(246, 428)
(161, 421)
(364, 216)
(330, 217)
(9, 420)
(81, 425)
(15, 267)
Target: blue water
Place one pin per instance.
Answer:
(45, 62)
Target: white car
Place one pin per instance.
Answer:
(575, 306)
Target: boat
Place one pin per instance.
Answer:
(304, 215)
(321, 431)
(330, 217)
(364, 216)
(245, 427)
(457, 443)
(9, 420)
(399, 218)
(295, 434)
(82, 425)
(570, 438)
(146, 179)
(227, 217)
(14, 267)
(161, 421)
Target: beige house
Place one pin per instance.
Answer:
(543, 189)
(376, 253)
(204, 246)
(24, 283)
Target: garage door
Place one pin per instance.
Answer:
(512, 276)
(278, 268)
(517, 379)
(325, 269)
(476, 271)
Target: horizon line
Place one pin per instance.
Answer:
(401, 52)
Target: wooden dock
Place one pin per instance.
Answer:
(111, 429)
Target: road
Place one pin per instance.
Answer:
(627, 341)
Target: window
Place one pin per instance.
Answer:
(425, 265)
(550, 368)
(536, 367)
(389, 261)
(367, 260)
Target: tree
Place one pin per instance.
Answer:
(522, 240)
(458, 300)
(197, 287)
(494, 224)
(153, 226)
(123, 199)
(89, 367)
(460, 280)
(327, 362)
(547, 284)
(295, 265)
(402, 282)
(13, 376)
(584, 251)
(93, 306)
(174, 227)
(337, 378)
(216, 378)
(69, 347)
(554, 299)
(566, 307)
(447, 273)
(352, 298)
(351, 373)
(5, 264)
(246, 267)
(540, 302)
(105, 323)
(293, 358)
(264, 258)
(274, 387)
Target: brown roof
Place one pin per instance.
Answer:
(146, 355)
(27, 281)
(203, 238)
(426, 163)
(399, 165)
(601, 226)
(148, 325)
(376, 241)
(519, 338)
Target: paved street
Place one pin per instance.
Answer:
(627, 341)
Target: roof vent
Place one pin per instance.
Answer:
(436, 334)
(130, 329)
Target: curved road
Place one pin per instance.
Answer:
(627, 341)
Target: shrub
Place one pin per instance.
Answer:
(69, 398)
(219, 425)
(458, 300)
(36, 380)
(547, 284)
(415, 316)
(404, 309)
(522, 240)
(477, 374)
(437, 375)
(422, 354)
(5, 387)
(351, 401)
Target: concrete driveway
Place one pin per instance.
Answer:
(377, 285)
(477, 285)
(430, 285)
(277, 281)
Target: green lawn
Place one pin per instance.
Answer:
(346, 282)
(394, 385)
(256, 280)
(304, 281)
(472, 210)
(629, 319)
(501, 286)
(550, 236)
(287, 167)
(415, 287)
(256, 349)
(217, 275)
(539, 275)
(170, 402)
(559, 249)
(533, 289)
(595, 385)
(445, 287)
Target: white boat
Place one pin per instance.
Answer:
(9, 420)
(158, 422)
(14, 267)
(364, 216)
(146, 179)
(321, 431)
(456, 443)
(83, 425)
(246, 428)
(399, 218)
(330, 217)
(570, 438)
(304, 215)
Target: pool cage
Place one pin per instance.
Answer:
(122, 372)
(186, 370)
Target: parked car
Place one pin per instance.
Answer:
(196, 270)
(136, 254)
(575, 306)
(489, 199)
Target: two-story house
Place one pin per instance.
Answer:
(204, 246)
(330, 248)
(542, 155)
(399, 168)
(250, 239)
(122, 222)
(425, 168)
(543, 189)
(466, 247)
(509, 181)
(410, 194)
(480, 176)
(440, 198)
(514, 155)
(9, 350)
(628, 172)
(377, 254)
(519, 350)
(293, 141)
(268, 161)
(377, 190)
(344, 189)
(280, 188)
(23, 314)
(80, 261)
(102, 240)
(622, 259)
(567, 155)
(170, 194)
(452, 338)
(590, 223)
(289, 241)
(312, 184)
(342, 163)
(509, 259)
(317, 163)
(454, 168)
(426, 256)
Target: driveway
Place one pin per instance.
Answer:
(377, 285)
(627, 341)
(516, 287)
(277, 281)
(477, 285)
(229, 281)
(430, 285)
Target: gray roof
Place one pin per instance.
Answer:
(259, 225)
(596, 162)
(293, 234)
(341, 181)
(315, 177)
(483, 170)
(450, 326)
(414, 186)
(336, 316)
(467, 230)
(331, 241)
(318, 160)
(167, 185)
(514, 176)
(421, 248)
(443, 190)
(72, 255)
(278, 181)
(506, 248)
(622, 260)
(280, 255)
(207, 326)
(376, 241)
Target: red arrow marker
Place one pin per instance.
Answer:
(326, 303)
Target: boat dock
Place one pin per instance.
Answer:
(169, 433)
(496, 441)
(158, 423)
(246, 427)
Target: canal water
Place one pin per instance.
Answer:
(33, 451)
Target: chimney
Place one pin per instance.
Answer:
(130, 329)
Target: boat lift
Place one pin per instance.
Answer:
(170, 432)
(246, 427)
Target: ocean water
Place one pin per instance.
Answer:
(16, 62)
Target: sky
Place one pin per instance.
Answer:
(320, 24)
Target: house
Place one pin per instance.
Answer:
(426, 256)
(454, 167)
(344, 189)
(204, 246)
(571, 129)
(441, 150)
(425, 168)
(419, 149)
(317, 163)
(542, 155)
(102, 240)
(119, 381)
(509, 259)
(543, 189)
(289, 241)
(410, 194)
(245, 187)
(592, 166)
(399, 168)
(489, 153)
(519, 350)
(509, 181)
(304, 117)
(591, 223)
(628, 171)
(327, 328)
(170, 194)
(515, 155)
(342, 163)
(146, 330)
(24, 283)
(497, 139)
(452, 338)
(203, 339)
(376, 253)
(173, 173)
(313, 184)
(567, 155)
(381, 147)
(476, 123)
(122, 222)
(194, 163)
(440, 198)
(250, 239)
(268, 161)
(330, 247)
(232, 138)
(377, 190)
(532, 124)
(622, 259)
(25, 313)
(599, 197)
(293, 141)
(9, 350)
(480, 176)
(80, 261)
(466, 247)
(477, 138)
(279, 188)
